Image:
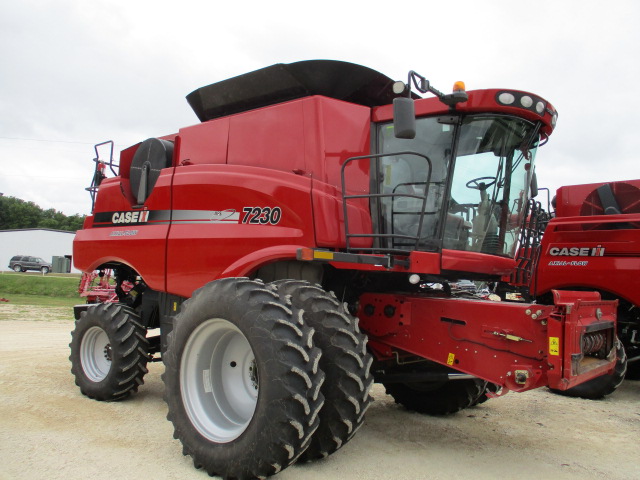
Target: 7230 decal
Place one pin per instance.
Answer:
(262, 215)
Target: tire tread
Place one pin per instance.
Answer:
(344, 360)
(271, 328)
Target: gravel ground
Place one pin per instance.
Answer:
(48, 430)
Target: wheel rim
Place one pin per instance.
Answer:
(16, 268)
(95, 354)
(219, 380)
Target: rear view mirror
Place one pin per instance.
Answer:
(404, 118)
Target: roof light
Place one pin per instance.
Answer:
(506, 98)
(526, 101)
(399, 87)
(459, 87)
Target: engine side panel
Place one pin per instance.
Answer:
(240, 210)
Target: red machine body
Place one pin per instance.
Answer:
(275, 196)
(584, 247)
(593, 243)
(294, 182)
(518, 346)
(272, 196)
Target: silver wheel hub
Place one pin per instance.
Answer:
(219, 380)
(95, 354)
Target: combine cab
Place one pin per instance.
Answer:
(300, 243)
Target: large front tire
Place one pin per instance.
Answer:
(600, 387)
(242, 380)
(345, 362)
(109, 352)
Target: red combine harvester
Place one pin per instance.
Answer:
(592, 243)
(314, 194)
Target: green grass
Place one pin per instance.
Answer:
(52, 287)
(39, 300)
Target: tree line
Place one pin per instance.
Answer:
(16, 213)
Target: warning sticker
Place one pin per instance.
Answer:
(554, 346)
(450, 359)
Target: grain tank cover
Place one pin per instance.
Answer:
(282, 82)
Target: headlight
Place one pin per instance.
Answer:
(522, 100)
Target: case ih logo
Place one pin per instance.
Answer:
(577, 251)
(130, 217)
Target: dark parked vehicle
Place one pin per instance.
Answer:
(22, 263)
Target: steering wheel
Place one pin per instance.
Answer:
(477, 184)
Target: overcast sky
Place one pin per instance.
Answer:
(75, 73)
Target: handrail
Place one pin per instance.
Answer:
(377, 197)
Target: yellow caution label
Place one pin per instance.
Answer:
(322, 254)
(450, 359)
(175, 306)
(554, 346)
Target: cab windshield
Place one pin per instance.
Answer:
(471, 192)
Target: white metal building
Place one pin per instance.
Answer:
(36, 242)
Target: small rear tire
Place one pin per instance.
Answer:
(109, 352)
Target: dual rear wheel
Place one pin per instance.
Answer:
(247, 383)
(344, 360)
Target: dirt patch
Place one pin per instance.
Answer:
(49, 430)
